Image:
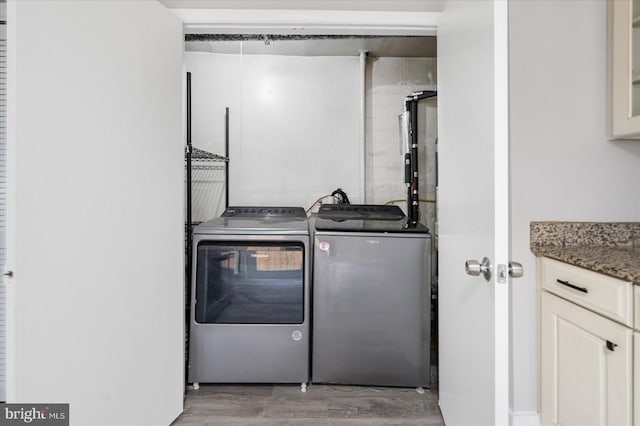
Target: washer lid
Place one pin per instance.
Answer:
(251, 220)
(265, 212)
(360, 211)
(364, 218)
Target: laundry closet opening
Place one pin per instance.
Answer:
(305, 115)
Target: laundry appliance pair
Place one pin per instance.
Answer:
(341, 298)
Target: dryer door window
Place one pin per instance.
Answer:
(249, 283)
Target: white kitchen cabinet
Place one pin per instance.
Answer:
(636, 378)
(586, 358)
(636, 357)
(624, 69)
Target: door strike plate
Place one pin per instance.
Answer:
(502, 273)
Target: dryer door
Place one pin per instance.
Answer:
(249, 283)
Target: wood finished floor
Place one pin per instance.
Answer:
(281, 405)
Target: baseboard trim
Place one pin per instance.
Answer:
(525, 418)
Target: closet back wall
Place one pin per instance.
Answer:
(294, 125)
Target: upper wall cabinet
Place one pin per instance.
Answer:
(624, 68)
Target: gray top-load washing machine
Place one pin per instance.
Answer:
(250, 311)
(371, 297)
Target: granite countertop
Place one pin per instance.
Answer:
(608, 248)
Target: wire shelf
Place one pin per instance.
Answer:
(200, 155)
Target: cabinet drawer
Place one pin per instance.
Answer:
(600, 293)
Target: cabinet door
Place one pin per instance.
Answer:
(636, 378)
(624, 69)
(586, 367)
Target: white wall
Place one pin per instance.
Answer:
(562, 165)
(384, 5)
(294, 124)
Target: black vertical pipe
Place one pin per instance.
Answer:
(226, 154)
(413, 119)
(407, 168)
(407, 181)
(408, 176)
(413, 198)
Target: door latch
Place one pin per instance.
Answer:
(475, 268)
(515, 270)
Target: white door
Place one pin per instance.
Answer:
(473, 212)
(95, 133)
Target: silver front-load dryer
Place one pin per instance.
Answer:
(249, 320)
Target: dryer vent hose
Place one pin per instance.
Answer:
(341, 195)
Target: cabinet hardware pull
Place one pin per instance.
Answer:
(611, 346)
(573, 286)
